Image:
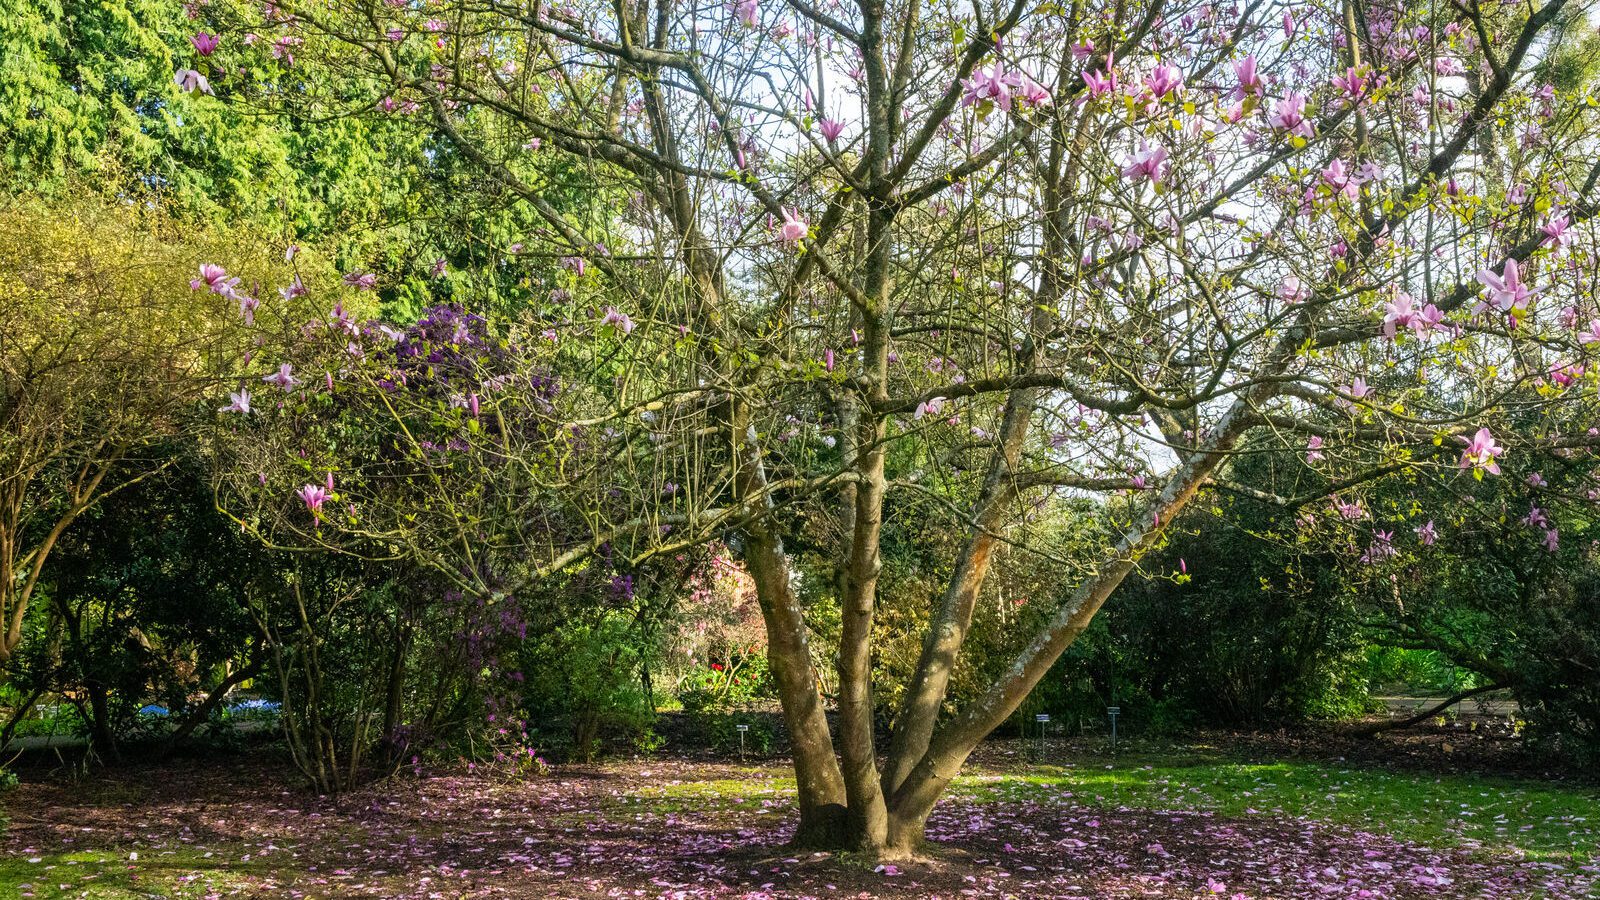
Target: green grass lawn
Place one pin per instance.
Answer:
(1548, 821)
(1553, 822)
(106, 875)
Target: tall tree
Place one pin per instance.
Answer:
(1065, 249)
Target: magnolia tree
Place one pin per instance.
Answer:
(999, 257)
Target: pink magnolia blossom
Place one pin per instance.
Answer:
(239, 402)
(1149, 163)
(214, 277)
(1352, 83)
(1427, 319)
(1289, 114)
(361, 281)
(1555, 233)
(283, 378)
(1506, 290)
(933, 406)
(314, 496)
(1480, 453)
(1249, 82)
(1292, 290)
(1340, 181)
(746, 11)
(1348, 511)
(989, 83)
(1164, 81)
(1427, 534)
(189, 81)
(1398, 313)
(831, 129)
(1102, 82)
(1591, 334)
(205, 44)
(1314, 448)
(616, 319)
(793, 228)
(1565, 375)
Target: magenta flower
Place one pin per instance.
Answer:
(1249, 81)
(933, 406)
(283, 378)
(1506, 290)
(314, 496)
(1314, 448)
(240, 402)
(1292, 290)
(831, 129)
(616, 319)
(1352, 83)
(189, 81)
(1100, 83)
(1555, 233)
(1427, 319)
(1150, 163)
(1031, 92)
(991, 84)
(1565, 375)
(1480, 453)
(1339, 181)
(793, 228)
(1164, 81)
(214, 277)
(438, 268)
(1288, 115)
(746, 11)
(1398, 313)
(1427, 534)
(361, 281)
(247, 308)
(1348, 511)
(296, 288)
(205, 44)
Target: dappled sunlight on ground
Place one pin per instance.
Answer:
(679, 829)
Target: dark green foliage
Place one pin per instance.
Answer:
(585, 685)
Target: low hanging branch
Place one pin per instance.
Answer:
(1393, 725)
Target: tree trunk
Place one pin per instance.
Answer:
(913, 801)
(818, 781)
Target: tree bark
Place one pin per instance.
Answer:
(914, 799)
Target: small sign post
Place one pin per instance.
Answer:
(742, 729)
(1044, 724)
(1113, 712)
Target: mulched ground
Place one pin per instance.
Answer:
(642, 829)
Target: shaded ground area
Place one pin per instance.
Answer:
(1186, 823)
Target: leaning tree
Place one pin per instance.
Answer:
(995, 258)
